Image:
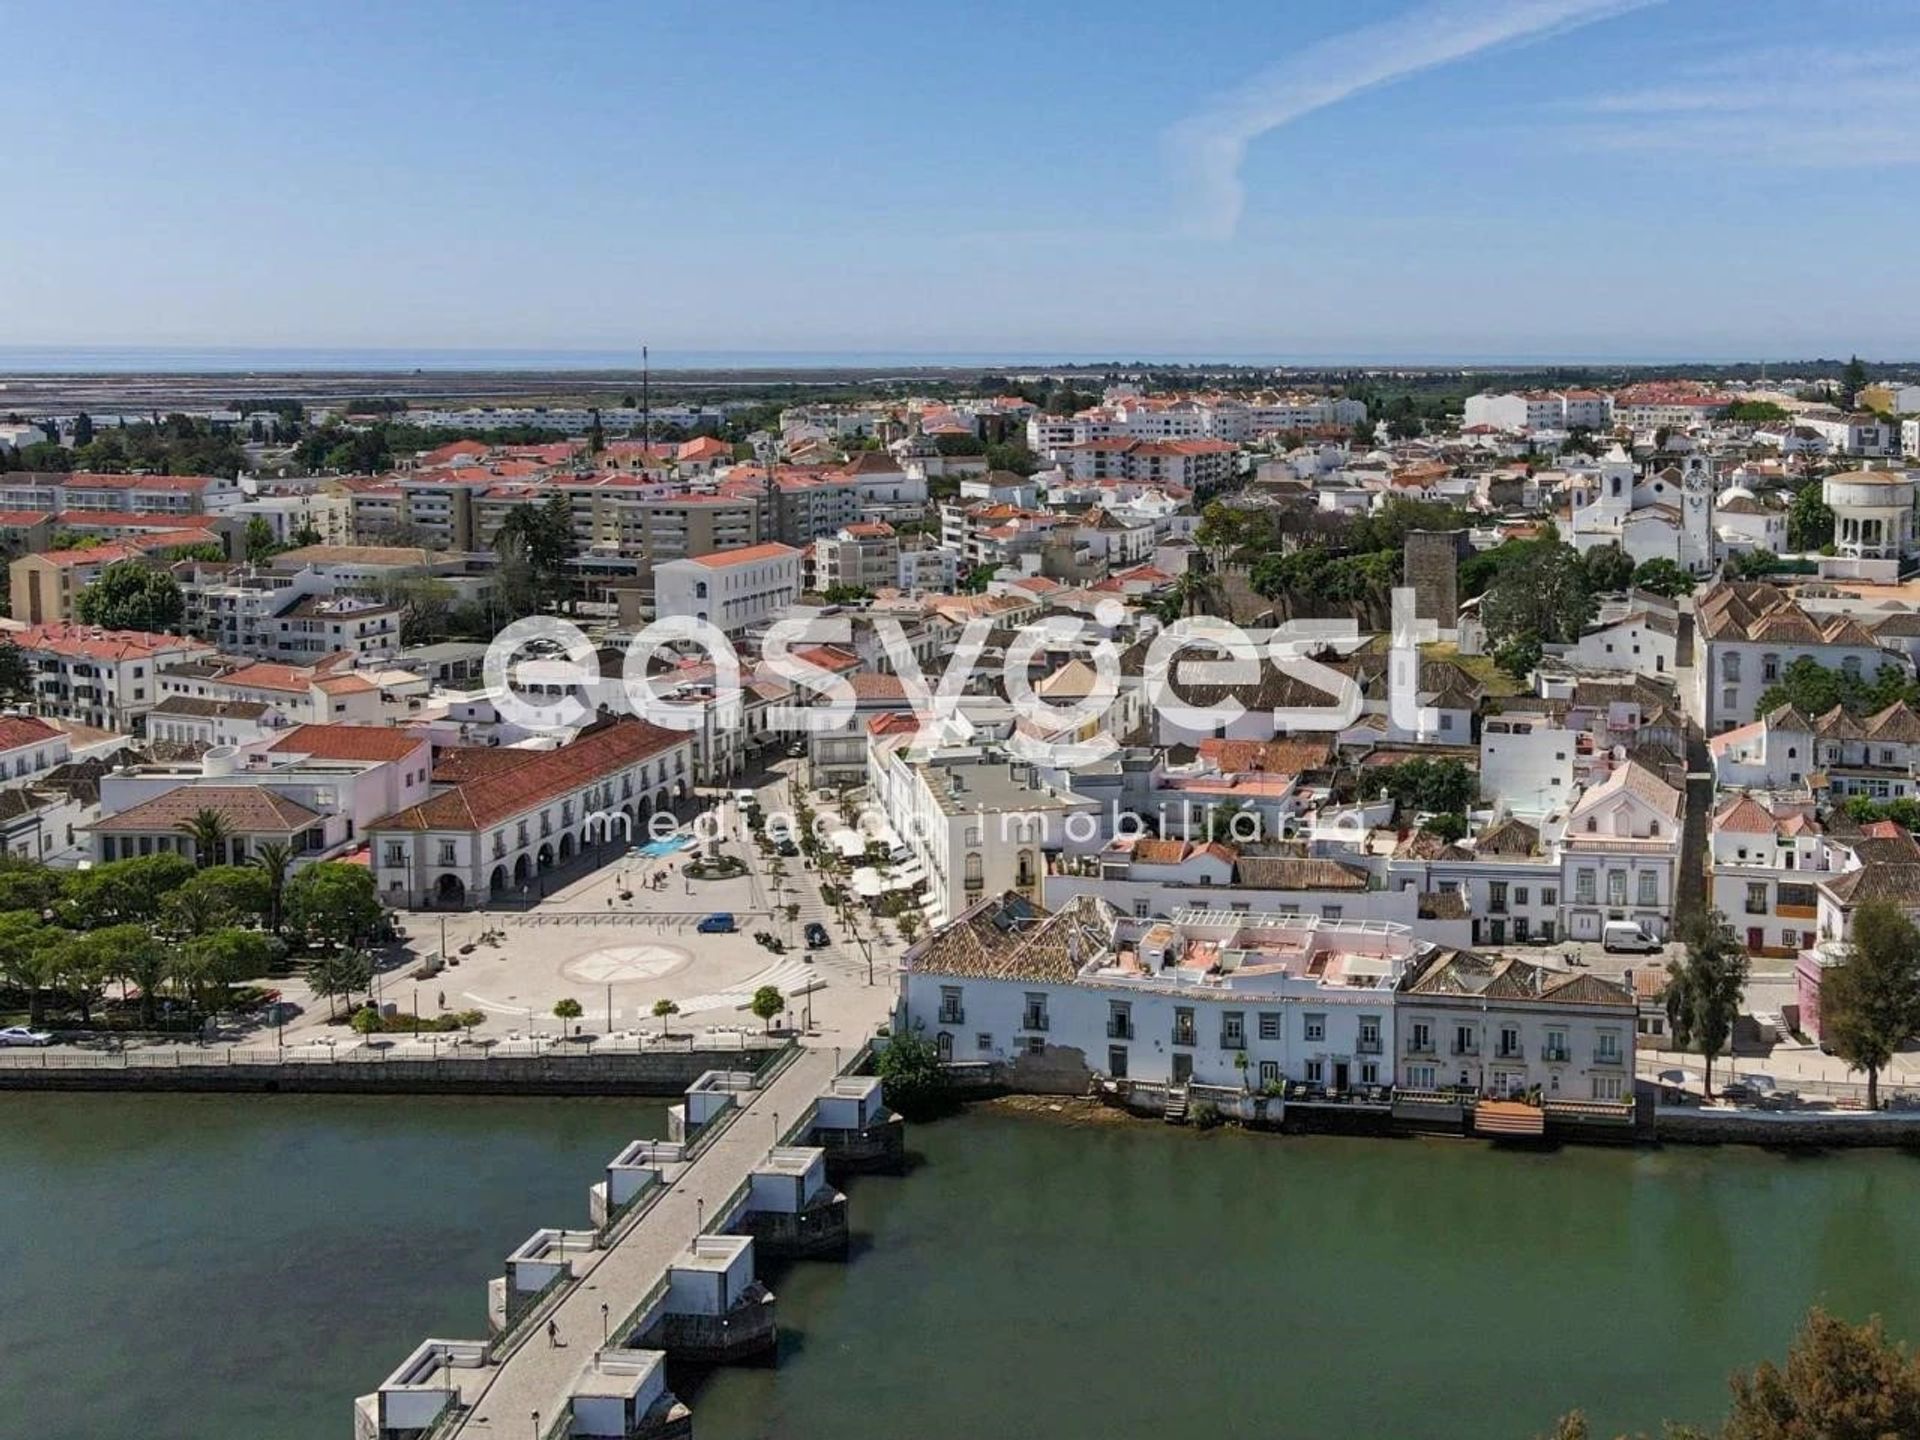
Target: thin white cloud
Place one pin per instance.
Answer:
(1207, 148)
(1813, 108)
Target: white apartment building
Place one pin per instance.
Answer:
(1540, 410)
(326, 514)
(29, 748)
(108, 679)
(735, 590)
(974, 823)
(1506, 1028)
(1861, 434)
(1745, 636)
(1229, 1000)
(1507, 885)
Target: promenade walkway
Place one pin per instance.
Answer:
(536, 1379)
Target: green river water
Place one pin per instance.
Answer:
(238, 1268)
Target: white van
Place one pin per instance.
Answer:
(1626, 937)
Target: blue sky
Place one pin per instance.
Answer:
(1472, 178)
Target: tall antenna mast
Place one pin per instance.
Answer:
(646, 408)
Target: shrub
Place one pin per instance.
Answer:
(1206, 1116)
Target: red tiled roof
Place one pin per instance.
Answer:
(94, 644)
(247, 809)
(349, 742)
(502, 791)
(21, 730)
(744, 555)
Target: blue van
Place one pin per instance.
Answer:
(718, 923)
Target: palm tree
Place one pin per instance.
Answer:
(275, 857)
(665, 1009)
(209, 831)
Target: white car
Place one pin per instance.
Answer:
(21, 1035)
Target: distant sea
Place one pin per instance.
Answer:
(243, 360)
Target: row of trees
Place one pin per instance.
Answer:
(169, 928)
(170, 445)
(1814, 689)
(1869, 1007)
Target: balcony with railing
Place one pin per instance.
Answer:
(1420, 1045)
(952, 1015)
(1465, 1047)
(1120, 1028)
(1183, 1035)
(1609, 1057)
(1367, 1045)
(1233, 1040)
(1034, 1020)
(1556, 1054)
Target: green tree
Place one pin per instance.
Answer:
(82, 430)
(567, 1008)
(17, 678)
(122, 890)
(273, 858)
(767, 1003)
(1870, 1005)
(259, 542)
(1449, 826)
(1544, 595)
(130, 595)
(1607, 567)
(366, 1021)
(1809, 519)
(29, 958)
(333, 902)
(342, 973)
(663, 1011)
(1840, 1382)
(910, 1075)
(1704, 988)
(209, 831)
(215, 898)
(1853, 380)
(142, 961)
(1520, 656)
(28, 884)
(1663, 577)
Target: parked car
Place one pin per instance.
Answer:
(787, 848)
(746, 799)
(1625, 937)
(21, 1035)
(718, 923)
(817, 935)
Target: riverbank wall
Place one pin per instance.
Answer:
(653, 1072)
(1651, 1123)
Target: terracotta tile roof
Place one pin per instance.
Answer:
(86, 642)
(210, 709)
(1465, 973)
(247, 809)
(525, 780)
(349, 742)
(19, 730)
(744, 555)
(1008, 937)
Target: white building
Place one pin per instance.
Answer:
(1663, 516)
(1747, 634)
(1872, 523)
(1645, 641)
(498, 819)
(1621, 854)
(1219, 999)
(973, 822)
(1526, 762)
(1507, 1028)
(1767, 856)
(735, 590)
(108, 679)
